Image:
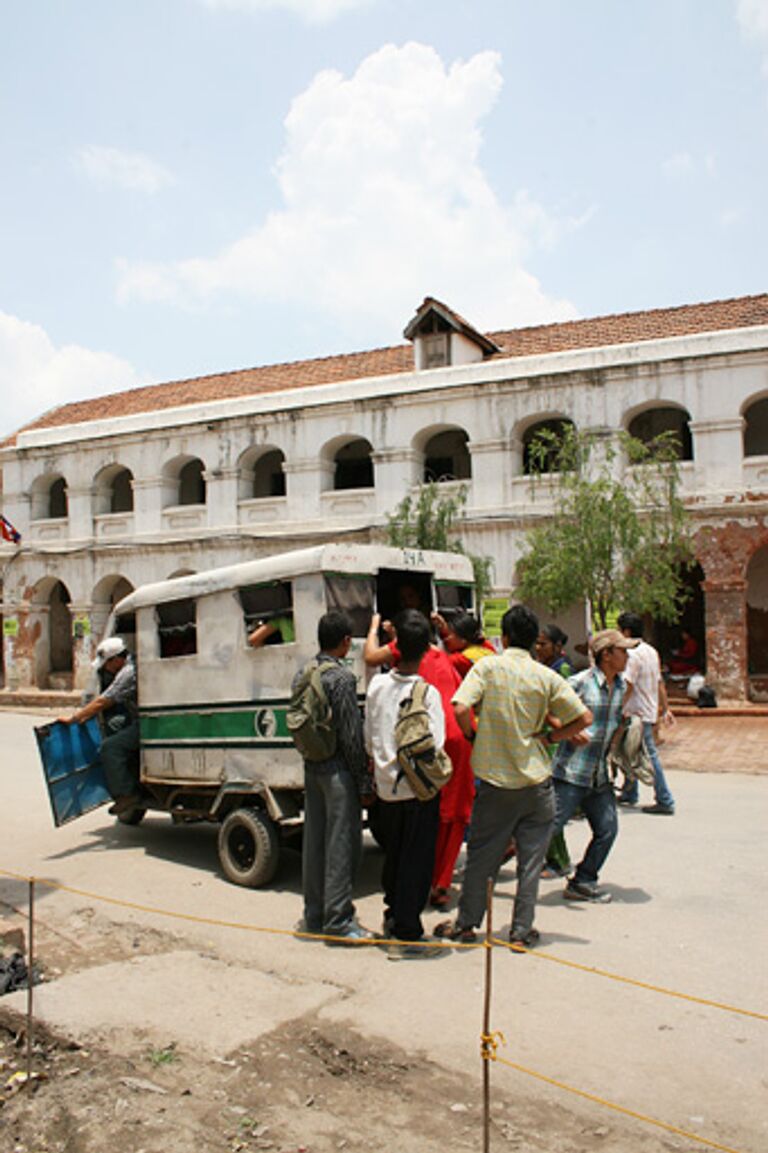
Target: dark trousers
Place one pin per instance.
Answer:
(120, 757)
(409, 831)
(599, 807)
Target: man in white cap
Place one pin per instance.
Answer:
(580, 771)
(120, 746)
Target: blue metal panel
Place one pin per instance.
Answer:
(72, 768)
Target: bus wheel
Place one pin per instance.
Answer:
(248, 847)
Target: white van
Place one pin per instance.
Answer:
(214, 741)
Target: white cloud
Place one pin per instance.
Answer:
(313, 11)
(131, 170)
(753, 17)
(384, 200)
(35, 375)
(680, 164)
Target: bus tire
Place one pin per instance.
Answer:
(248, 847)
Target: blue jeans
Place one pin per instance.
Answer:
(331, 850)
(599, 807)
(661, 791)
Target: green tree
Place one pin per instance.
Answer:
(614, 541)
(428, 519)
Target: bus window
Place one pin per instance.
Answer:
(353, 595)
(397, 590)
(268, 613)
(453, 598)
(177, 628)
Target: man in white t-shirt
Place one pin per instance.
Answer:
(647, 699)
(408, 826)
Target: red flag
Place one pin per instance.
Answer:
(8, 532)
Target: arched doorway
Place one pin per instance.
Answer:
(667, 638)
(53, 632)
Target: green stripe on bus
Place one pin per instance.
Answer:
(242, 724)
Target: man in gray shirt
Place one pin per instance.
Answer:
(119, 748)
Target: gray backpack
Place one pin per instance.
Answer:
(425, 767)
(309, 717)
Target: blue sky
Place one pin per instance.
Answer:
(192, 186)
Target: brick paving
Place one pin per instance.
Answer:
(714, 743)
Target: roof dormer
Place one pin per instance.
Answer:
(441, 337)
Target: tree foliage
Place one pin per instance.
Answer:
(428, 520)
(616, 541)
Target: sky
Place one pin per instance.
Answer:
(197, 186)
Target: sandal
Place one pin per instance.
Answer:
(450, 931)
(521, 944)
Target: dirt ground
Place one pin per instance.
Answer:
(309, 1088)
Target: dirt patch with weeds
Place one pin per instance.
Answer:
(309, 1087)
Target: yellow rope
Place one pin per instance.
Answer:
(249, 928)
(612, 1105)
(544, 956)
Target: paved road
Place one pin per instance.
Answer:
(689, 913)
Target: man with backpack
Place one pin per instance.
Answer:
(325, 722)
(405, 734)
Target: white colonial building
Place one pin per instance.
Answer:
(142, 485)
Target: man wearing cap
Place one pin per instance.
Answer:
(119, 747)
(580, 771)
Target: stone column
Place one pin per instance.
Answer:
(86, 632)
(305, 478)
(490, 473)
(396, 471)
(726, 633)
(717, 452)
(221, 497)
(18, 659)
(80, 512)
(147, 505)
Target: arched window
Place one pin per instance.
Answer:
(653, 422)
(353, 467)
(541, 444)
(192, 483)
(756, 428)
(268, 475)
(121, 491)
(446, 456)
(57, 499)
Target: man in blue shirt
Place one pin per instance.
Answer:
(580, 771)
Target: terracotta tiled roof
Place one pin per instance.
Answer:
(623, 328)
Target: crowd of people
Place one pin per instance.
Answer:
(528, 742)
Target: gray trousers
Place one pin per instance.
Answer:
(497, 815)
(331, 850)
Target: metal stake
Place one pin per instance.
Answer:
(30, 984)
(485, 1050)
